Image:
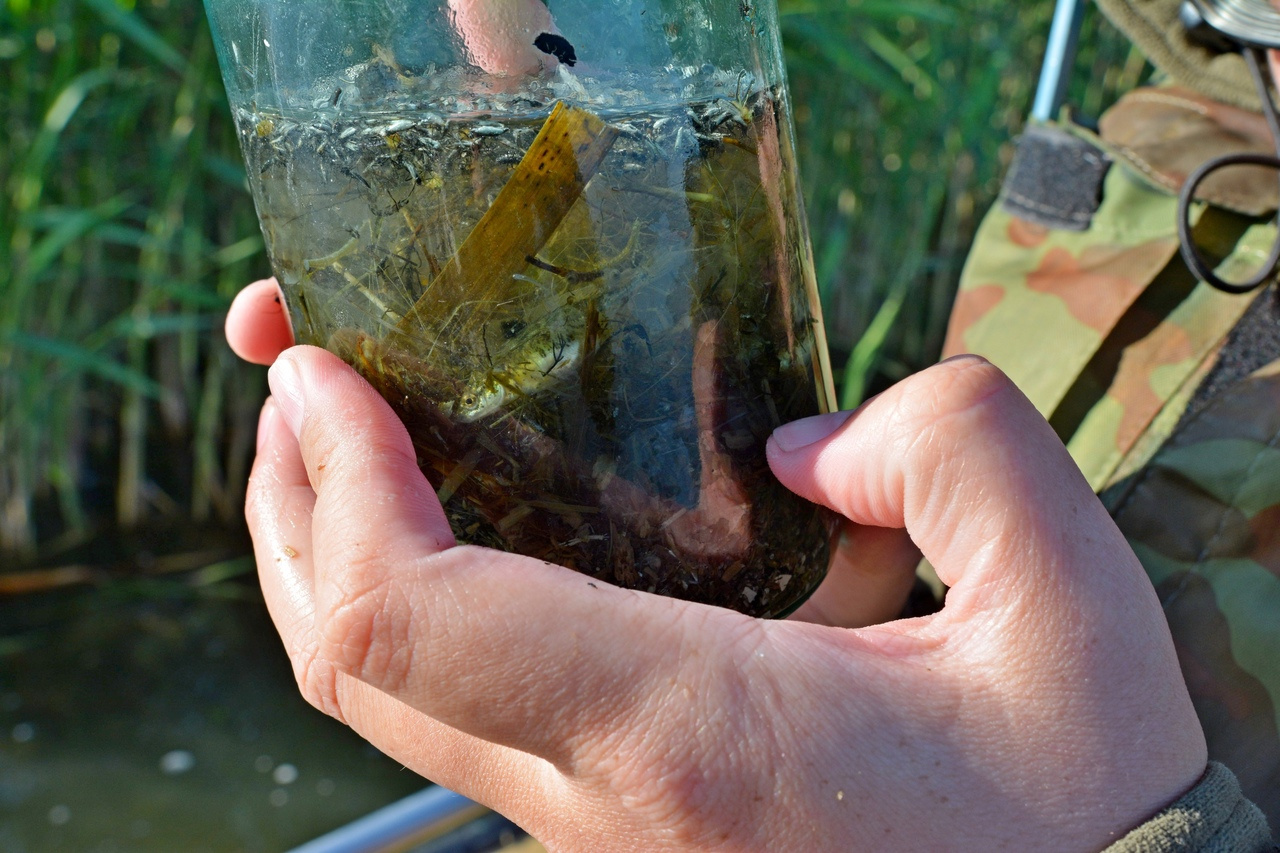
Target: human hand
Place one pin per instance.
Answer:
(1042, 707)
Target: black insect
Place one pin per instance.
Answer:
(557, 46)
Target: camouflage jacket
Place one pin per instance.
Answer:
(1166, 391)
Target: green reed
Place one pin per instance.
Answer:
(127, 232)
(906, 114)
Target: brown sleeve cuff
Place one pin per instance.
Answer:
(1213, 817)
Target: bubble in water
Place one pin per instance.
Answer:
(177, 761)
(23, 733)
(60, 815)
(285, 774)
(278, 797)
(263, 764)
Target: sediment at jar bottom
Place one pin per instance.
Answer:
(747, 543)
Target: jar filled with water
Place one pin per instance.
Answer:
(564, 240)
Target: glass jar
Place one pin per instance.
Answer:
(564, 240)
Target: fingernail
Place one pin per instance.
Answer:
(286, 389)
(965, 356)
(802, 433)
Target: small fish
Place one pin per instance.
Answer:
(529, 373)
(557, 46)
(396, 126)
(478, 402)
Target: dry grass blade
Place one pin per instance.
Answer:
(545, 185)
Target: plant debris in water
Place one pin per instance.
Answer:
(589, 323)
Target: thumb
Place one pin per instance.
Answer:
(960, 458)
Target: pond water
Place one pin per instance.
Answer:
(162, 715)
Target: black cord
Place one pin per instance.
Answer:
(1254, 58)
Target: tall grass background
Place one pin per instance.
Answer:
(125, 230)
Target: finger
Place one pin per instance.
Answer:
(499, 34)
(257, 325)
(872, 571)
(279, 512)
(958, 457)
(508, 649)
(278, 508)
(356, 481)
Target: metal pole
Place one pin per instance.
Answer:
(413, 820)
(1055, 74)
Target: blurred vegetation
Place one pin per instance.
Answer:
(127, 230)
(907, 112)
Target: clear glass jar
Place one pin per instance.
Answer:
(564, 239)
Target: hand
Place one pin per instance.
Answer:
(1041, 708)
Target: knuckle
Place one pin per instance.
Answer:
(958, 391)
(674, 797)
(961, 384)
(320, 444)
(673, 783)
(672, 751)
(317, 680)
(335, 454)
(365, 632)
(254, 499)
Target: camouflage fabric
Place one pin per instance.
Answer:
(1204, 518)
(1110, 336)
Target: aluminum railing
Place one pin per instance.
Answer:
(1060, 54)
(409, 823)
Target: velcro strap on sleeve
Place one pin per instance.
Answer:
(1055, 179)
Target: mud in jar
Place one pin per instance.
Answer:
(564, 240)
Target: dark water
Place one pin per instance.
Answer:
(163, 716)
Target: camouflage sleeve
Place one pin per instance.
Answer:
(1165, 390)
(1213, 817)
